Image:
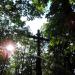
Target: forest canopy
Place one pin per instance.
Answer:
(57, 57)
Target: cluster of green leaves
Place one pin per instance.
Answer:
(9, 28)
(60, 57)
(62, 43)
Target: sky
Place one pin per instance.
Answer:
(35, 24)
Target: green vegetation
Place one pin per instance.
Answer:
(59, 57)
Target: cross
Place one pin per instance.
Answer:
(38, 60)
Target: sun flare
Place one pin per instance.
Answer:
(10, 47)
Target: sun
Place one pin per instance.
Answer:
(9, 46)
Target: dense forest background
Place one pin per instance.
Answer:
(57, 55)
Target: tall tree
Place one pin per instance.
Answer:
(61, 36)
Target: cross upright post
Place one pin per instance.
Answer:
(38, 60)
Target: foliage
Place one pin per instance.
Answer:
(11, 27)
(59, 58)
(61, 38)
